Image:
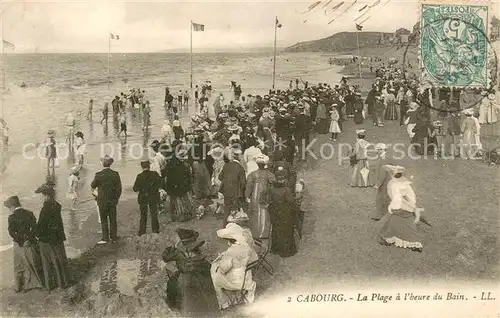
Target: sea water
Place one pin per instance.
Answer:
(56, 84)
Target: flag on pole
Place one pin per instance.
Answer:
(9, 45)
(359, 27)
(114, 36)
(278, 24)
(198, 27)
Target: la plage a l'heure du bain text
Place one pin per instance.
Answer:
(378, 297)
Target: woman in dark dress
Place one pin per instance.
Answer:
(190, 289)
(283, 212)
(179, 182)
(50, 232)
(27, 263)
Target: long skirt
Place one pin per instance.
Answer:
(201, 180)
(55, 265)
(181, 208)
(27, 267)
(391, 112)
(224, 286)
(259, 219)
(322, 126)
(361, 175)
(400, 231)
(382, 201)
(285, 223)
(358, 117)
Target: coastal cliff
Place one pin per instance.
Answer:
(341, 41)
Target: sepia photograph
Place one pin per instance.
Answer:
(240, 158)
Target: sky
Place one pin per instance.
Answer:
(153, 26)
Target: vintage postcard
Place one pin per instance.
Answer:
(245, 158)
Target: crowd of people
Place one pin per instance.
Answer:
(241, 166)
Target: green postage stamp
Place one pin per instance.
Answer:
(454, 43)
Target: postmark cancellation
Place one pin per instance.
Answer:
(454, 43)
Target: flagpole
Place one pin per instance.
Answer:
(191, 52)
(274, 60)
(109, 53)
(359, 55)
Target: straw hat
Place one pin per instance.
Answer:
(381, 146)
(468, 112)
(233, 127)
(239, 216)
(231, 232)
(262, 159)
(413, 106)
(360, 132)
(176, 123)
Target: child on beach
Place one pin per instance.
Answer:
(50, 150)
(123, 124)
(334, 123)
(72, 188)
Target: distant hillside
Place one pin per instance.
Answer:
(340, 42)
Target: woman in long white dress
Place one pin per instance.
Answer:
(228, 270)
(250, 155)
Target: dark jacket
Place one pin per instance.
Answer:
(109, 186)
(22, 226)
(179, 177)
(233, 180)
(147, 183)
(50, 227)
(302, 125)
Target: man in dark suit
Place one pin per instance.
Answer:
(109, 189)
(302, 128)
(233, 184)
(147, 184)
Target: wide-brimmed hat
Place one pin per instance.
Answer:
(107, 161)
(413, 106)
(468, 112)
(396, 169)
(51, 132)
(360, 132)
(262, 159)
(189, 238)
(231, 232)
(381, 146)
(176, 123)
(216, 151)
(45, 189)
(12, 201)
(233, 127)
(237, 217)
